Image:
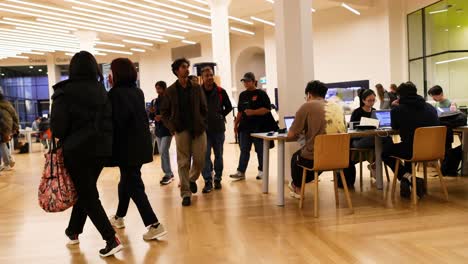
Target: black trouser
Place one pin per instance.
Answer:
(131, 186)
(400, 150)
(296, 171)
(85, 175)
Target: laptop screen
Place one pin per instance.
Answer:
(288, 120)
(384, 118)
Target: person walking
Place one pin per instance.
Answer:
(163, 135)
(219, 106)
(184, 113)
(12, 121)
(131, 146)
(81, 119)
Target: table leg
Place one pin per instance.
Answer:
(266, 164)
(464, 171)
(378, 162)
(29, 137)
(281, 162)
(12, 145)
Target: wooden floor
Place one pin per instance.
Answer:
(240, 224)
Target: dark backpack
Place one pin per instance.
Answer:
(453, 119)
(452, 160)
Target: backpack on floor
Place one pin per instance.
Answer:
(452, 160)
(56, 189)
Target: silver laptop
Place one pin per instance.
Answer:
(384, 117)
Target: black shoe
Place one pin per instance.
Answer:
(208, 187)
(193, 187)
(420, 187)
(113, 246)
(186, 201)
(217, 185)
(405, 188)
(166, 180)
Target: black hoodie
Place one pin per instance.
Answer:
(82, 119)
(413, 112)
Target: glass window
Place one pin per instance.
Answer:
(416, 72)
(437, 27)
(415, 35)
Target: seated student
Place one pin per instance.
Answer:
(411, 113)
(315, 117)
(367, 101)
(437, 95)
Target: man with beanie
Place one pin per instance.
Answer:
(411, 112)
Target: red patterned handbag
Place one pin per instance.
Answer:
(56, 189)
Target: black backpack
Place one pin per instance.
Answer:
(453, 119)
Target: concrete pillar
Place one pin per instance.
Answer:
(221, 42)
(53, 73)
(270, 62)
(86, 39)
(294, 58)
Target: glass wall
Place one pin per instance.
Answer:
(438, 48)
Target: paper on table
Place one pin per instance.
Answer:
(369, 122)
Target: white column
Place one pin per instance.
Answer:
(270, 61)
(86, 39)
(221, 42)
(294, 58)
(53, 73)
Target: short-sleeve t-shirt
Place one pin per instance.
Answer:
(254, 100)
(315, 118)
(443, 104)
(358, 113)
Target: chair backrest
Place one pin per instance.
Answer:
(331, 152)
(429, 143)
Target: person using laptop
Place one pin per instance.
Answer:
(367, 101)
(411, 113)
(315, 117)
(437, 94)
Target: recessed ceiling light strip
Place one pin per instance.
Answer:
(38, 24)
(263, 21)
(138, 42)
(110, 44)
(188, 11)
(114, 51)
(242, 31)
(152, 8)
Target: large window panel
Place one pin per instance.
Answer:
(437, 27)
(415, 35)
(417, 74)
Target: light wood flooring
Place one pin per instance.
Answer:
(240, 224)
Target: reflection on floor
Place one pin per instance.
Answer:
(240, 224)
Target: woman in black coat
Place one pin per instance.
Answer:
(82, 119)
(132, 146)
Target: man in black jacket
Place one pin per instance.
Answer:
(411, 113)
(163, 135)
(184, 114)
(219, 106)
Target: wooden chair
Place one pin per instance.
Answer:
(360, 152)
(331, 153)
(428, 145)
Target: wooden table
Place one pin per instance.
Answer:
(464, 131)
(282, 138)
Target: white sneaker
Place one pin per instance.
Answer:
(292, 192)
(12, 161)
(155, 232)
(117, 222)
(238, 176)
(260, 175)
(5, 168)
(73, 240)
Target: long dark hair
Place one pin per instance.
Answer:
(363, 94)
(123, 72)
(83, 65)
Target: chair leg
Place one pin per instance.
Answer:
(345, 185)
(386, 173)
(301, 200)
(360, 170)
(442, 182)
(395, 177)
(425, 174)
(414, 196)
(335, 184)
(316, 195)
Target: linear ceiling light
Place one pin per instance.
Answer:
(28, 36)
(438, 11)
(26, 39)
(22, 33)
(114, 51)
(350, 9)
(242, 31)
(19, 57)
(110, 44)
(189, 42)
(137, 50)
(452, 60)
(39, 24)
(100, 54)
(190, 5)
(34, 52)
(201, 2)
(188, 11)
(241, 20)
(262, 21)
(152, 8)
(312, 10)
(270, 1)
(138, 42)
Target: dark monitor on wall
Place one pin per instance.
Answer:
(346, 91)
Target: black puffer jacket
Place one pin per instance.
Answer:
(82, 119)
(413, 112)
(132, 138)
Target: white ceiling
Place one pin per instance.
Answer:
(46, 26)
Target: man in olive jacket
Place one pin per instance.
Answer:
(184, 113)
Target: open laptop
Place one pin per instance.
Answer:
(384, 117)
(288, 121)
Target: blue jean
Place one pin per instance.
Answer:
(246, 142)
(215, 141)
(5, 154)
(164, 144)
